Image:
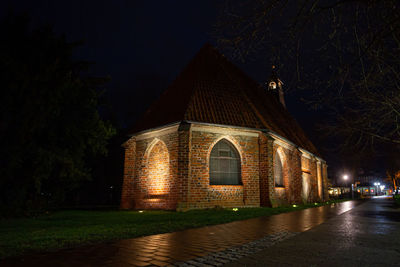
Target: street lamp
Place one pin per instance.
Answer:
(382, 187)
(345, 177)
(377, 187)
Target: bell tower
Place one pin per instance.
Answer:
(274, 85)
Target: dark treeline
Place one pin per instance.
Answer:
(57, 150)
(342, 58)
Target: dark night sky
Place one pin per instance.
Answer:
(143, 45)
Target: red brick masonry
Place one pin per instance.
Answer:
(168, 168)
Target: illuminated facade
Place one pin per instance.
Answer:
(216, 138)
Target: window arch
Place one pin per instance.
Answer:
(224, 164)
(157, 169)
(278, 170)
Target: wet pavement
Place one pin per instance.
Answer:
(368, 235)
(183, 246)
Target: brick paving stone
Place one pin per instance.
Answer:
(147, 250)
(137, 263)
(181, 258)
(220, 258)
(159, 258)
(159, 263)
(145, 259)
(194, 263)
(165, 255)
(146, 255)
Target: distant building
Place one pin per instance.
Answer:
(336, 192)
(371, 183)
(217, 138)
(369, 178)
(365, 190)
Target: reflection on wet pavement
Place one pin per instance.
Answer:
(164, 249)
(368, 235)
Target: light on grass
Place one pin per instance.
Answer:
(140, 211)
(294, 206)
(315, 203)
(235, 209)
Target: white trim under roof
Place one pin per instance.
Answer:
(212, 129)
(275, 136)
(282, 142)
(156, 131)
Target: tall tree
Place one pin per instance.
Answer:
(345, 54)
(50, 125)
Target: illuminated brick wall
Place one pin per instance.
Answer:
(281, 195)
(299, 174)
(310, 170)
(290, 193)
(169, 169)
(151, 171)
(325, 181)
(127, 201)
(319, 181)
(201, 193)
(266, 170)
(156, 185)
(156, 180)
(295, 187)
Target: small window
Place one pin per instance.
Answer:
(278, 171)
(224, 164)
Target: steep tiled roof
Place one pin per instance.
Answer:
(213, 90)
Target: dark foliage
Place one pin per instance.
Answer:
(50, 127)
(344, 55)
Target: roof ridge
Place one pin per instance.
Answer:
(252, 105)
(262, 120)
(212, 89)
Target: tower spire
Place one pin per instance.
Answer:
(274, 85)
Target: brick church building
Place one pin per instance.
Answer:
(217, 138)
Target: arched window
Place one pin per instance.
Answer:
(224, 164)
(278, 171)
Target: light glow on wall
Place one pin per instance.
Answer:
(158, 180)
(319, 180)
(305, 186)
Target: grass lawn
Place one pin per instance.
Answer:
(63, 229)
(397, 199)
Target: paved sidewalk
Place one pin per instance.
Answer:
(183, 246)
(368, 235)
